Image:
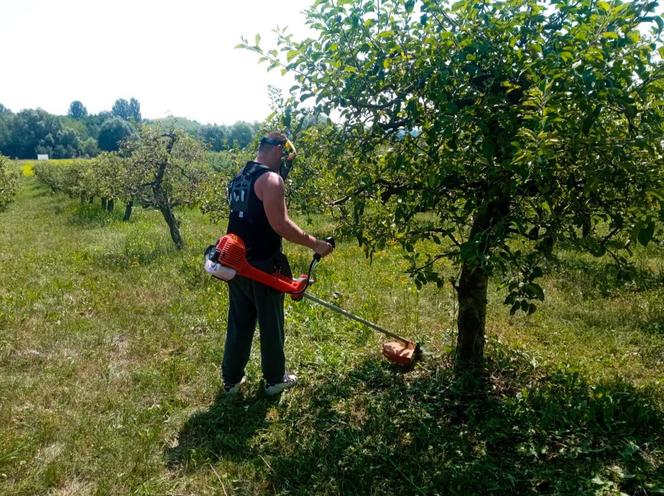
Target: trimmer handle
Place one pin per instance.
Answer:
(329, 239)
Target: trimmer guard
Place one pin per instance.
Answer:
(400, 352)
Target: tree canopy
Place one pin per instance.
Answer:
(113, 132)
(77, 110)
(494, 129)
(127, 110)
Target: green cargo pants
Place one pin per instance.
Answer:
(250, 301)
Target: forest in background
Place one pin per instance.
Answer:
(29, 132)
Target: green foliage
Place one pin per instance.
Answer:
(77, 110)
(31, 132)
(8, 182)
(127, 110)
(173, 158)
(78, 133)
(495, 129)
(240, 134)
(113, 133)
(216, 137)
(71, 177)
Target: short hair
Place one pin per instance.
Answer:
(273, 136)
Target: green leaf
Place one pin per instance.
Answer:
(635, 36)
(646, 234)
(566, 56)
(258, 39)
(467, 252)
(612, 35)
(534, 291)
(604, 6)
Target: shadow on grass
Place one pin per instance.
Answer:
(600, 277)
(91, 215)
(375, 430)
(224, 430)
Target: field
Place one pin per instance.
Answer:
(110, 342)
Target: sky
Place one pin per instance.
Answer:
(175, 57)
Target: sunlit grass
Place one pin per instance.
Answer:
(110, 341)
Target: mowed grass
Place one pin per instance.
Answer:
(110, 342)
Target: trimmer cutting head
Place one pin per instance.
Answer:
(404, 353)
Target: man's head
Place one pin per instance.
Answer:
(273, 148)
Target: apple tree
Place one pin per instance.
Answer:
(163, 171)
(494, 129)
(8, 183)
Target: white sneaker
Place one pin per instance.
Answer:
(289, 381)
(231, 389)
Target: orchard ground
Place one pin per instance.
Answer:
(110, 342)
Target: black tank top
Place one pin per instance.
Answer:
(247, 218)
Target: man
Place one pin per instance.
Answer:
(259, 216)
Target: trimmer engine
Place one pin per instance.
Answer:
(230, 258)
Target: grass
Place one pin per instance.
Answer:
(110, 341)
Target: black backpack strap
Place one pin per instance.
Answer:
(239, 189)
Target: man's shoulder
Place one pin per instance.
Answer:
(269, 183)
(271, 177)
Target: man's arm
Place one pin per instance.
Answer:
(270, 189)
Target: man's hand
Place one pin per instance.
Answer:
(323, 248)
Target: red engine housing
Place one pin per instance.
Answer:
(233, 254)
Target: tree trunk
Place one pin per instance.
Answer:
(110, 205)
(471, 292)
(103, 203)
(128, 208)
(166, 211)
(161, 198)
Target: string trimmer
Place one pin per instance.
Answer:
(228, 258)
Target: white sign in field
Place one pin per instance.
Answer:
(42, 156)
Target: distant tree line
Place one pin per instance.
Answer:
(29, 132)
